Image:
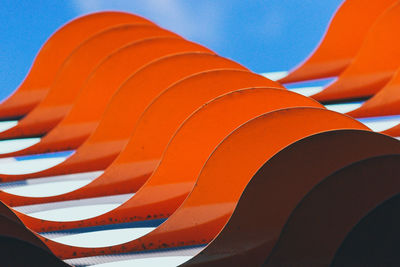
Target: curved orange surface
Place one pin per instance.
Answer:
(88, 160)
(394, 131)
(375, 64)
(185, 155)
(162, 118)
(280, 184)
(216, 82)
(73, 75)
(130, 102)
(341, 42)
(87, 111)
(190, 133)
(52, 55)
(385, 102)
(234, 162)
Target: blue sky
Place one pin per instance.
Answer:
(264, 35)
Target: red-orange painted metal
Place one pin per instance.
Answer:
(170, 183)
(73, 75)
(385, 102)
(251, 233)
(341, 42)
(202, 87)
(202, 216)
(157, 125)
(201, 141)
(85, 114)
(130, 101)
(52, 55)
(375, 64)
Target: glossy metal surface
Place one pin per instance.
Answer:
(376, 62)
(98, 90)
(209, 152)
(72, 76)
(239, 97)
(251, 233)
(144, 52)
(157, 197)
(166, 113)
(114, 130)
(202, 215)
(52, 55)
(341, 42)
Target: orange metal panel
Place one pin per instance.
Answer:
(394, 131)
(162, 118)
(280, 184)
(224, 176)
(207, 140)
(240, 105)
(73, 75)
(176, 174)
(121, 115)
(52, 55)
(375, 64)
(341, 42)
(155, 128)
(231, 166)
(385, 102)
(234, 162)
(258, 101)
(98, 90)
